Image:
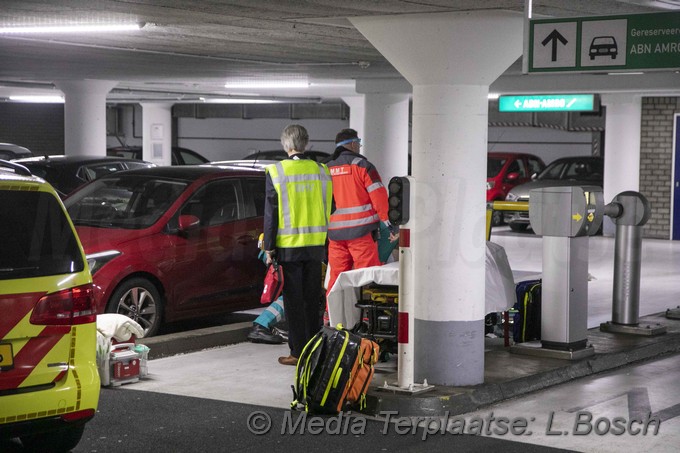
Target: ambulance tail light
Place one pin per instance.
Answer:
(68, 307)
(85, 414)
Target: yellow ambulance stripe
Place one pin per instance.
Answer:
(59, 410)
(42, 372)
(22, 332)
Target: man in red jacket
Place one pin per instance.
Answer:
(360, 204)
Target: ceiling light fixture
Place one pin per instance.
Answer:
(73, 28)
(239, 101)
(262, 83)
(54, 99)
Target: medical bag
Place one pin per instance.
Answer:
(379, 306)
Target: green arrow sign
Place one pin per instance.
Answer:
(609, 43)
(547, 103)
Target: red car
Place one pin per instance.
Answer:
(170, 243)
(506, 170)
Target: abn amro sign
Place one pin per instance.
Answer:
(611, 43)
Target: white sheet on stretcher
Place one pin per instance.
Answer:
(500, 286)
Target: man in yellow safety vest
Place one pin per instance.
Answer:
(296, 214)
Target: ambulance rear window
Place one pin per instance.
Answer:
(35, 237)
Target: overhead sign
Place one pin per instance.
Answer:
(609, 43)
(547, 103)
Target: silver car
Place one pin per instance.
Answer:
(568, 171)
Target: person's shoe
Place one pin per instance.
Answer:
(261, 335)
(282, 333)
(290, 360)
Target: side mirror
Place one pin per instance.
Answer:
(188, 223)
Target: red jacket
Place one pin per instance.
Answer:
(360, 199)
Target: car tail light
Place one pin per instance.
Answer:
(78, 415)
(68, 307)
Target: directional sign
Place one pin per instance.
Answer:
(611, 43)
(547, 103)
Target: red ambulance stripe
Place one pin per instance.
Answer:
(31, 354)
(13, 308)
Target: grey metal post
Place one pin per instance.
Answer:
(627, 264)
(630, 211)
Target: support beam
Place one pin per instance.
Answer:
(157, 136)
(450, 59)
(85, 116)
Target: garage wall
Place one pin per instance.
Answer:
(656, 161)
(230, 138)
(232, 131)
(548, 144)
(38, 127)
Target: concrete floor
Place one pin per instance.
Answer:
(249, 373)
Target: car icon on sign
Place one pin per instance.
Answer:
(602, 46)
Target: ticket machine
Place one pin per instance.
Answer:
(565, 217)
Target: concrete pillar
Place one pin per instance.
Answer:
(157, 132)
(450, 59)
(357, 112)
(386, 131)
(621, 148)
(85, 116)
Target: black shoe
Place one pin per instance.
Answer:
(282, 333)
(261, 335)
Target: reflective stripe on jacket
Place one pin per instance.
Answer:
(304, 190)
(359, 195)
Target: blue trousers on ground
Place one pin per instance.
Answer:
(272, 315)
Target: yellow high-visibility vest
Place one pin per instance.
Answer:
(305, 192)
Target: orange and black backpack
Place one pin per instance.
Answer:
(334, 371)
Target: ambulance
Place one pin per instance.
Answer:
(49, 383)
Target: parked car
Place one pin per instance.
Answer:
(279, 154)
(49, 383)
(179, 156)
(568, 171)
(505, 171)
(171, 243)
(9, 151)
(67, 173)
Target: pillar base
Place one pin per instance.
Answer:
(648, 330)
(673, 313)
(535, 348)
(412, 389)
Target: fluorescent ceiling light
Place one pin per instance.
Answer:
(280, 82)
(239, 101)
(74, 28)
(493, 96)
(38, 98)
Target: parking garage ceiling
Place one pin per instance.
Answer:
(192, 46)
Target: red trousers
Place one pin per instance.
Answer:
(351, 254)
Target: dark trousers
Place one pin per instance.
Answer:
(301, 296)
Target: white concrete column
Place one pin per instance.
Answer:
(450, 59)
(621, 148)
(357, 112)
(386, 134)
(157, 132)
(85, 116)
(386, 131)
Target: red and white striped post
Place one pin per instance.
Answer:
(405, 334)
